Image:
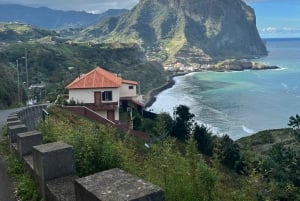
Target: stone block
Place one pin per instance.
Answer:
(116, 185)
(13, 123)
(14, 130)
(61, 189)
(53, 160)
(13, 114)
(12, 118)
(27, 140)
(28, 165)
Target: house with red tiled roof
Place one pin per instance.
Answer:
(104, 93)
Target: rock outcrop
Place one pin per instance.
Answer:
(239, 65)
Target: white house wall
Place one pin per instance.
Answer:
(104, 114)
(81, 95)
(126, 92)
(87, 95)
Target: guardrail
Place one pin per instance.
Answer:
(52, 165)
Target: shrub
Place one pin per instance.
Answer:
(184, 177)
(94, 145)
(26, 187)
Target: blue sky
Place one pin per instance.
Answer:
(275, 18)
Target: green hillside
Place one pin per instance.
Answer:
(57, 64)
(276, 157)
(14, 32)
(9, 87)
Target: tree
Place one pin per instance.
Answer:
(183, 112)
(230, 153)
(282, 165)
(204, 139)
(164, 125)
(294, 122)
(8, 88)
(183, 122)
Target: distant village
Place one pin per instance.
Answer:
(176, 67)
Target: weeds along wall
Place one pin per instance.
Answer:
(52, 166)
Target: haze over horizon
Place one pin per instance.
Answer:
(275, 18)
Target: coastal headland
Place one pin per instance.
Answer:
(223, 66)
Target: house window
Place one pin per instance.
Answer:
(130, 87)
(107, 95)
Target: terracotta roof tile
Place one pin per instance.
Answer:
(97, 78)
(129, 82)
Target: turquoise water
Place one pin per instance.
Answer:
(242, 103)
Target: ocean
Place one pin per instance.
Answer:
(241, 103)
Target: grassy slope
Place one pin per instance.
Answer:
(174, 166)
(262, 141)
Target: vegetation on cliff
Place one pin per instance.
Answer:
(240, 65)
(9, 96)
(197, 30)
(276, 154)
(14, 32)
(203, 167)
(57, 63)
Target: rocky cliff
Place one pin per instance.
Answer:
(192, 30)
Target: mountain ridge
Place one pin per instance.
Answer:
(44, 17)
(201, 30)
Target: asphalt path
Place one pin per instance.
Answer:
(6, 183)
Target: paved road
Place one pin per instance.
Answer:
(6, 184)
(3, 116)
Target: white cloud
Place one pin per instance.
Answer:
(280, 30)
(276, 32)
(269, 30)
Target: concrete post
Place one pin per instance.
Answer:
(51, 161)
(25, 141)
(14, 130)
(116, 185)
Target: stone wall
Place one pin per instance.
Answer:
(52, 165)
(88, 113)
(31, 115)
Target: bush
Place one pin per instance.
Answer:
(94, 145)
(184, 177)
(204, 139)
(230, 152)
(137, 123)
(26, 187)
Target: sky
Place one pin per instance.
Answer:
(274, 18)
(277, 18)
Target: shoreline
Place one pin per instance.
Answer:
(150, 97)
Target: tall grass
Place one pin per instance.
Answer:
(181, 173)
